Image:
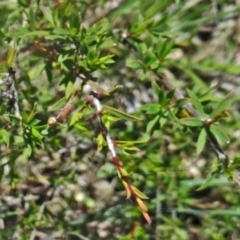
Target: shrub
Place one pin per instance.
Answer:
(93, 92)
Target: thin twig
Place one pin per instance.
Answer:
(123, 175)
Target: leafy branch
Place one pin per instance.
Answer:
(192, 108)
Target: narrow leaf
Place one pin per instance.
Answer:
(147, 217)
(26, 33)
(152, 123)
(206, 183)
(196, 103)
(222, 105)
(135, 149)
(121, 114)
(130, 143)
(36, 133)
(201, 140)
(33, 113)
(151, 108)
(59, 104)
(69, 90)
(142, 205)
(125, 184)
(192, 122)
(6, 137)
(139, 193)
(124, 173)
(219, 134)
(33, 73)
(47, 14)
(61, 31)
(11, 54)
(132, 63)
(236, 176)
(76, 117)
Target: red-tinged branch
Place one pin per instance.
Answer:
(209, 122)
(124, 178)
(117, 163)
(65, 111)
(123, 175)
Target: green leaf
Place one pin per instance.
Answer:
(76, 117)
(201, 140)
(107, 59)
(131, 143)
(152, 123)
(34, 72)
(69, 90)
(11, 54)
(31, 19)
(47, 14)
(33, 113)
(109, 118)
(59, 104)
(106, 43)
(196, 103)
(5, 136)
(163, 120)
(170, 94)
(29, 149)
(61, 31)
(235, 175)
(142, 74)
(23, 3)
(134, 149)
(154, 64)
(56, 37)
(33, 122)
(25, 33)
(181, 102)
(207, 182)
(36, 133)
(196, 79)
(44, 132)
(192, 122)
(121, 114)
(100, 142)
(151, 108)
(139, 193)
(159, 92)
(124, 173)
(219, 134)
(21, 31)
(222, 106)
(132, 63)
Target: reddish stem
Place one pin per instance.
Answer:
(117, 163)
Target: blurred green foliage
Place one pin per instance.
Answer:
(59, 181)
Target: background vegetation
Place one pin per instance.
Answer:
(173, 113)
